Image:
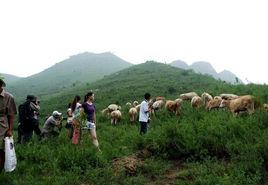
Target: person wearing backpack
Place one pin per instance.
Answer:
(28, 119)
(7, 113)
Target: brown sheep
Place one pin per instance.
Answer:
(196, 102)
(115, 116)
(159, 98)
(188, 96)
(173, 106)
(159, 104)
(132, 114)
(214, 103)
(242, 103)
(206, 98)
(217, 98)
(135, 103)
(228, 96)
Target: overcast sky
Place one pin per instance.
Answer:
(230, 34)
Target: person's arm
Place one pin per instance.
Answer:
(11, 115)
(146, 108)
(9, 132)
(94, 117)
(69, 113)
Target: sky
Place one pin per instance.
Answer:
(230, 34)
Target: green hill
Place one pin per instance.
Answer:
(198, 147)
(9, 79)
(78, 69)
(158, 79)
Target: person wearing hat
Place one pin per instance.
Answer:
(54, 121)
(28, 119)
(7, 112)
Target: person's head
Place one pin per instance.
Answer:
(147, 96)
(69, 105)
(56, 114)
(75, 101)
(2, 82)
(89, 97)
(31, 98)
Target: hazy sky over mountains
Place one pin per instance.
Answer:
(230, 34)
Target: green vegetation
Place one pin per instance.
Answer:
(78, 69)
(10, 78)
(198, 147)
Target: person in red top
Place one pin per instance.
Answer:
(7, 112)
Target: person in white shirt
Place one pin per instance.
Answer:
(144, 113)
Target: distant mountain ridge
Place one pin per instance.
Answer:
(10, 78)
(207, 68)
(81, 68)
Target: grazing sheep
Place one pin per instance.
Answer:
(173, 106)
(188, 96)
(128, 104)
(242, 103)
(132, 114)
(135, 103)
(265, 106)
(157, 105)
(113, 107)
(105, 112)
(178, 100)
(214, 103)
(138, 107)
(159, 98)
(217, 98)
(206, 98)
(196, 102)
(115, 116)
(228, 96)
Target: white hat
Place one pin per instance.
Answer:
(56, 114)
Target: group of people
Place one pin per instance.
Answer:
(28, 121)
(76, 123)
(80, 116)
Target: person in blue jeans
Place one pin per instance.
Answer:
(144, 113)
(89, 108)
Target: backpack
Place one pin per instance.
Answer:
(24, 112)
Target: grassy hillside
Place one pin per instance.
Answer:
(198, 147)
(9, 79)
(78, 69)
(158, 79)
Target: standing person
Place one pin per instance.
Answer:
(75, 108)
(28, 119)
(35, 106)
(89, 109)
(144, 113)
(54, 121)
(69, 124)
(7, 112)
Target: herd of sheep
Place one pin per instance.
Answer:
(233, 102)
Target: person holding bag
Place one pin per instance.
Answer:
(7, 112)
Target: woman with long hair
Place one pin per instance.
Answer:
(88, 107)
(75, 108)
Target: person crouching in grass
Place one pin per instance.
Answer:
(54, 121)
